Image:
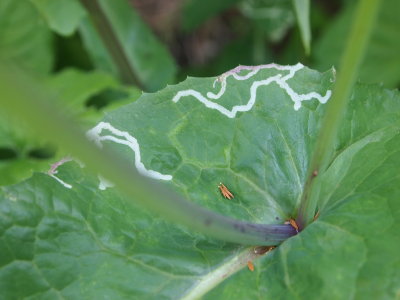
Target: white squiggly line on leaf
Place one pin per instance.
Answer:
(104, 183)
(123, 138)
(67, 185)
(279, 79)
(53, 170)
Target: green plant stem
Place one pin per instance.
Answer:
(355, 48)
(28, 102)
(111, 42)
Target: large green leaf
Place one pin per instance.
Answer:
(195, 133)
(382, 62)
(71, 235)
(24, 37)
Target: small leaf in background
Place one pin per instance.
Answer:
(24, 37)
(87, 94)
(302, 10)
(95, 48)
(75, 87)
(196, 12)
(145, 56)
(272, 17)
(233, 54)
(382, 60)
(62, 16)
(21, 154)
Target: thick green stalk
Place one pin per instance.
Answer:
(353, 54)
(111, 42)
(28, 102)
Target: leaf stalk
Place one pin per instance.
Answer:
(356, 46)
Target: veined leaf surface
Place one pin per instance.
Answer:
(71, 235)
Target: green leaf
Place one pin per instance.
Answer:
(20, 154)
(27, 45)
(302, 9)
(90, 94)
(86, 243)
(382, 62)
(196, 12)
(272, 17)
(351, 250)
(74, 88)
(135, 45)
(62, 16)
(95, 48)
(204, 137)
(252, 129)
